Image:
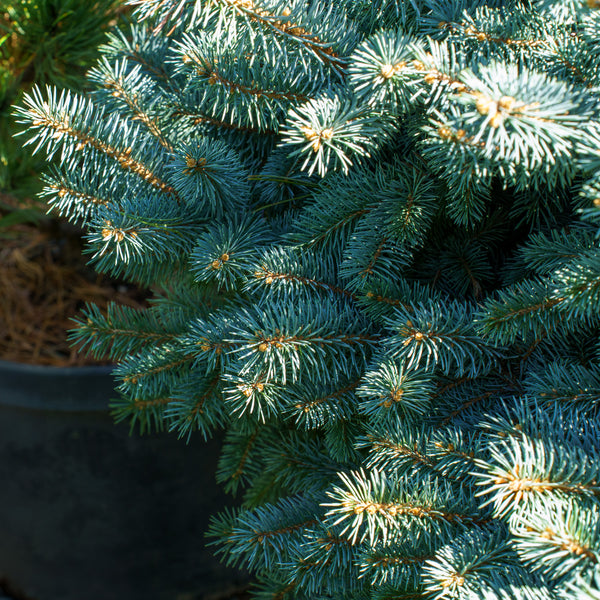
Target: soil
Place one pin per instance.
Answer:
(44, 283)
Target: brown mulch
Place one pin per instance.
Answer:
(44, 283)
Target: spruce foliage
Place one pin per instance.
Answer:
(372, 232)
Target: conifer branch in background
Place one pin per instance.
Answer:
(44, 42)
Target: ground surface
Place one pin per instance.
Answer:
(44, 283)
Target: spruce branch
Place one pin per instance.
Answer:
(76, 125)
(123, 330)
(372, 507)
(332, 130)
(428, 337)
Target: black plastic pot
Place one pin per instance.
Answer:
(89, 512)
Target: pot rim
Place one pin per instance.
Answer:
(51, 370)
(65, 389)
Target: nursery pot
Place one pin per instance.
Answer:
(88, 511)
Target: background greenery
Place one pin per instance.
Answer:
(43, 42)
